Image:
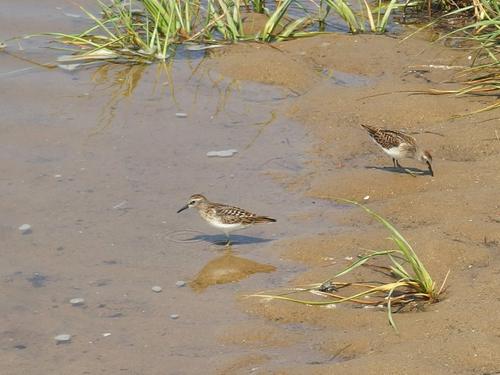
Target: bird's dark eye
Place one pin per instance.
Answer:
(192, 202)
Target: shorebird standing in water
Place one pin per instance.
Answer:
(398, 146)
(223, 217)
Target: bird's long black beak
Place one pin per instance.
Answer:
(183, 208)
(430, 168)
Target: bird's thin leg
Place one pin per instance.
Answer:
(394, 162)
(409, 172)
(228, 244)
(397, 165)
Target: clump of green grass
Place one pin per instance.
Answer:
(144, 31)
(149, 30)
(410, 282)
(483, 78)
(480, 30)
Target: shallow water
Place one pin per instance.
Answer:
(97, 161)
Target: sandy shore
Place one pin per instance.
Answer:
(452, 219)
(98, 161)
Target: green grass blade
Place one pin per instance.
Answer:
(274, 20)
(292, 27)
(382, 26)
(363, 259)
(389, 310)
(346, 13)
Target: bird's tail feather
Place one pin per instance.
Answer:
(369, 128)
(264, 219)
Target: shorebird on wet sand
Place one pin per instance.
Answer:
(398, 146)
(224, 217)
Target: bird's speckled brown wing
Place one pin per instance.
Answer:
(389, 138)
(234, 215)
(394, 137)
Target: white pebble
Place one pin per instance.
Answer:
(25, 229)
(72, 15)
(122, 204)
(180, 284)
(222, 153)
(62, 338)
(77, 301)
(174, 316)
(348, 258)
(181, 115)
(156, 289)
(366, 197)
(106, 334)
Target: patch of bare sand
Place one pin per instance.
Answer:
(241, 364)
(267, 65)
(452, 219)
(258, 334)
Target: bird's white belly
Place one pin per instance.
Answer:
(226, 227)
(394, 152)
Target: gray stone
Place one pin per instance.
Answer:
(77, 301)
(25, 229)
(222, 153)
(63, 338)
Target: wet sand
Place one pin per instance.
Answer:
(451, 219)
(97, 162)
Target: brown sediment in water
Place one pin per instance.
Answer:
(452, 220)
(227, 268)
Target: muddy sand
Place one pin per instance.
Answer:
(452, 219)
(97, 161)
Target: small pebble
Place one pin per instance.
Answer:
(73, 15)
(62, 338)
(366, 197)
(174, 316)
(122, 204)
(181, 115)
(222, 153)
(77, 301)
(180, 283)
(106, 334)
(25, 229)
(156, 289)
